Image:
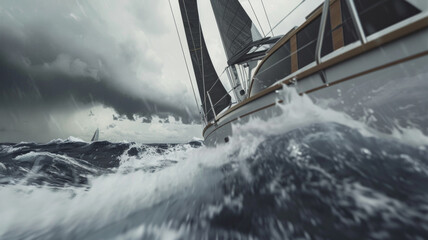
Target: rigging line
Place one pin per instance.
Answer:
(251, 5)
(184, 56)
(287, 15)
(216, 81)
(225, 95)
(227, 48)
(203, 113)
(289, 56)
(190, 29)
(267, 17)
(202, 66)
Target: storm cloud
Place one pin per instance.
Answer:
(67, 67)
(59, 54)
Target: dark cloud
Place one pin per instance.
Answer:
(22, 86)
(60, 57)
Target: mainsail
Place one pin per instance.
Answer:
(236, 28)
(206, 76)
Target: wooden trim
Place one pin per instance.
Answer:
(287, 37)
(335, 15)
(247, 114)
(336, 24)
(413, 27)
(406, 30)
(337, 36)
(246, 101)
(293, 50)
(325, 86)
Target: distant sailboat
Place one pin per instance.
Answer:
(96, 135)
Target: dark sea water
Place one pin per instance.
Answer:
(328, 178)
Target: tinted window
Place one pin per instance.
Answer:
(275, 68)
(307, 41)
(377, 15)
(374, 16)
(349, 34)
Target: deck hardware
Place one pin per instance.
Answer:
(293, 81)
(323, 77)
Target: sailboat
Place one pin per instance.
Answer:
(359, 54)
(96, 135)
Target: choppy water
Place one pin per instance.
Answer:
(320, 176)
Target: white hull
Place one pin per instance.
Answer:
(381, 79)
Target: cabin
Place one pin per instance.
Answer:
(343, 45)
(294, 55)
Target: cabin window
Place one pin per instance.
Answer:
(307, 41)
(349, 32)
(275, 68)
(375, 16)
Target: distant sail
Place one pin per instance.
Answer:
(206, 76)
(236, 28)
(96, 135)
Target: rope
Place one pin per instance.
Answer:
(251, 5)
(202, 66)
(227, 94)
(267, 17)
(215, 104)
(203, 104)
(327, 34)
(218, 79)
(287, 16)
(188, 23)
(184, 56)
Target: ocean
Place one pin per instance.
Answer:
(311, 173)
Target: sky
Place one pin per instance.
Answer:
(70, 67)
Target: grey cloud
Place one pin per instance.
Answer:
(152, 10)
(53, 53)
(22, 86)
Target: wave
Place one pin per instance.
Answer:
(310, 173)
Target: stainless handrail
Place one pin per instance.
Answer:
(215, 104)
(356, 20)
(321, 31)
(212, 106)
(227, 94)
